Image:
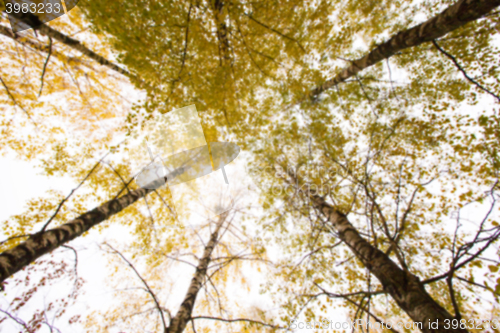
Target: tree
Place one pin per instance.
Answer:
(479, 10)
(341, 182)
(29, 86)
(227, 246)
(380, 137)
(448, 20)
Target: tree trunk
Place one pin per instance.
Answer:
(13, 260)
(183, 316)
(34, 22)
(222, 33)
(404, 287)
(453, 17)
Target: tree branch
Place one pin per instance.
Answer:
(70, 194)
(455, 62)
(45, 67)
(149, 291)
(15, 102)
(34, 22)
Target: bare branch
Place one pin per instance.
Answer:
(149, 291)
(45, 66)
(184, 53)
(275, 31)
(455, 62)
(16, 103)
(71, 193)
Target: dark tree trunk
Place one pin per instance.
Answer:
(222, 33)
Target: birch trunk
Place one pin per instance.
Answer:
(33, 21)
(183, 316)
(453, 17)
(15, 259)
(404, 287)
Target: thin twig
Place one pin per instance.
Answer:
(478, 285)
(440, 49)
(15, 102)
(166, 205)
(75, 286)
(13, 237)
(17, 320)
(276, 31)
(184, 53)
(45, 66)
(118, 174)
(71, 193)
(150, 292)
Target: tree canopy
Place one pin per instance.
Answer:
(366, 190)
